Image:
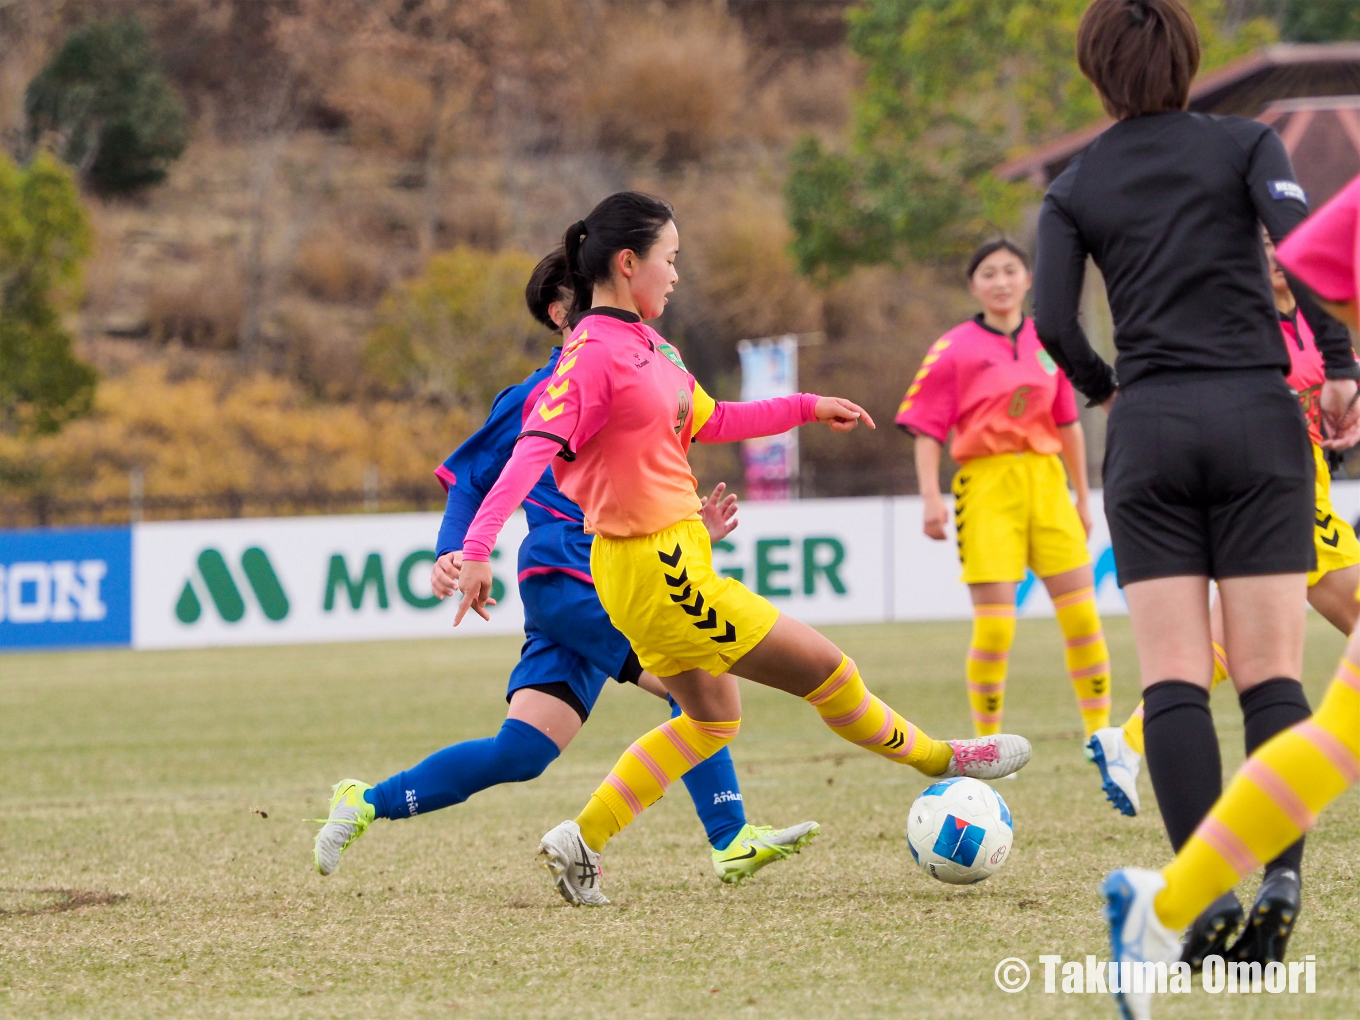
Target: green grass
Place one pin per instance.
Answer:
(140, 782)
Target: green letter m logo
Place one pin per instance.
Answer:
(223, 590)
(339, 575)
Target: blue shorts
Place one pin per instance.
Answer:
(568, 640)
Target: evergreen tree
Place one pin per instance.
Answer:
(44, 236)
(119, 121)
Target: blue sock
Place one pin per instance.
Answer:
(717, 795)
(514, 755)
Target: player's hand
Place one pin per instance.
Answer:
(1084, 515)
(936, 517)
(444, 576)
(1340, 413)
(1108, 403)
(718, 514)
(475, 584)
(842, 415)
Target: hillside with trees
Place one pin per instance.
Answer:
(286, 239)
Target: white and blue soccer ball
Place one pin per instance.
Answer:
(960, 831)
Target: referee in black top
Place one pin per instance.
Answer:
(1208, 472)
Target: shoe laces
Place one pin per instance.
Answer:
(969, 753)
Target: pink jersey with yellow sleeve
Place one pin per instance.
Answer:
(998, 393)
(624, 409)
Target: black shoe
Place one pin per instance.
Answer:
(1272, 919)
(1210, 933)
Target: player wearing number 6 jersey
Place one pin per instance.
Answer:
(1014, 420)
(616, 423)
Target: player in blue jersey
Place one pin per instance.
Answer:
(570, 647)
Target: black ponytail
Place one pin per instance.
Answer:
(626, 221)
(549, 282)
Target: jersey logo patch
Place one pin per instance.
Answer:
(671, 354)
(1046, 361)
(1280, 190)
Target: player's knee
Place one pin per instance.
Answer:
(523, 752)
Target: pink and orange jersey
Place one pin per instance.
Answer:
(618, 380)
(998, 393)
(1307, 372)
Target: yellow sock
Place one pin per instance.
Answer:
(993, 633)
(1133, 728)
(1088, 657)
(1275, 797)
(646, 769)
(1220, 666)
(846, 705)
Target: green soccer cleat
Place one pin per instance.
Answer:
(758, 845)
(350, 817)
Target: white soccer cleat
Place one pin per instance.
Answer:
(575, 867)
(349, 818)
(988, 757)
(1118, 764)
(1137, 934)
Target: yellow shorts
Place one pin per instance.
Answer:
(676, 611)
(1013, 511)
(1337, 547)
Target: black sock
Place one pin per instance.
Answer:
(1181, 748)
(1267, 709)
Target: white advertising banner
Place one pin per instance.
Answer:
(302, 579)
(819, 560)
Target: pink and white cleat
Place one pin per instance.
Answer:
(988, 757)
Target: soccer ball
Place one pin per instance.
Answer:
(960, 831)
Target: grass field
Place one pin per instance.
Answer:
(137, 784)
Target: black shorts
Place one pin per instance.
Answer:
(1209, 473)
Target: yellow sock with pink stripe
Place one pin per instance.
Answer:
(988, 656)
(846, 705)
(646, 771)
(1274, 799)
(1133, 727)
(1088, 657)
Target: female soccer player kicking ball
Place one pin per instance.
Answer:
(1281, 789)
(570, 648)
(615, 422)
(1012, 412)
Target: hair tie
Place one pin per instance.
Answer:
(580, 229)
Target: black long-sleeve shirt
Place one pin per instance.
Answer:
(1168, 205)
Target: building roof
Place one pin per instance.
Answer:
(1246, 87)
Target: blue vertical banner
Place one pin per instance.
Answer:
(65, 587)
